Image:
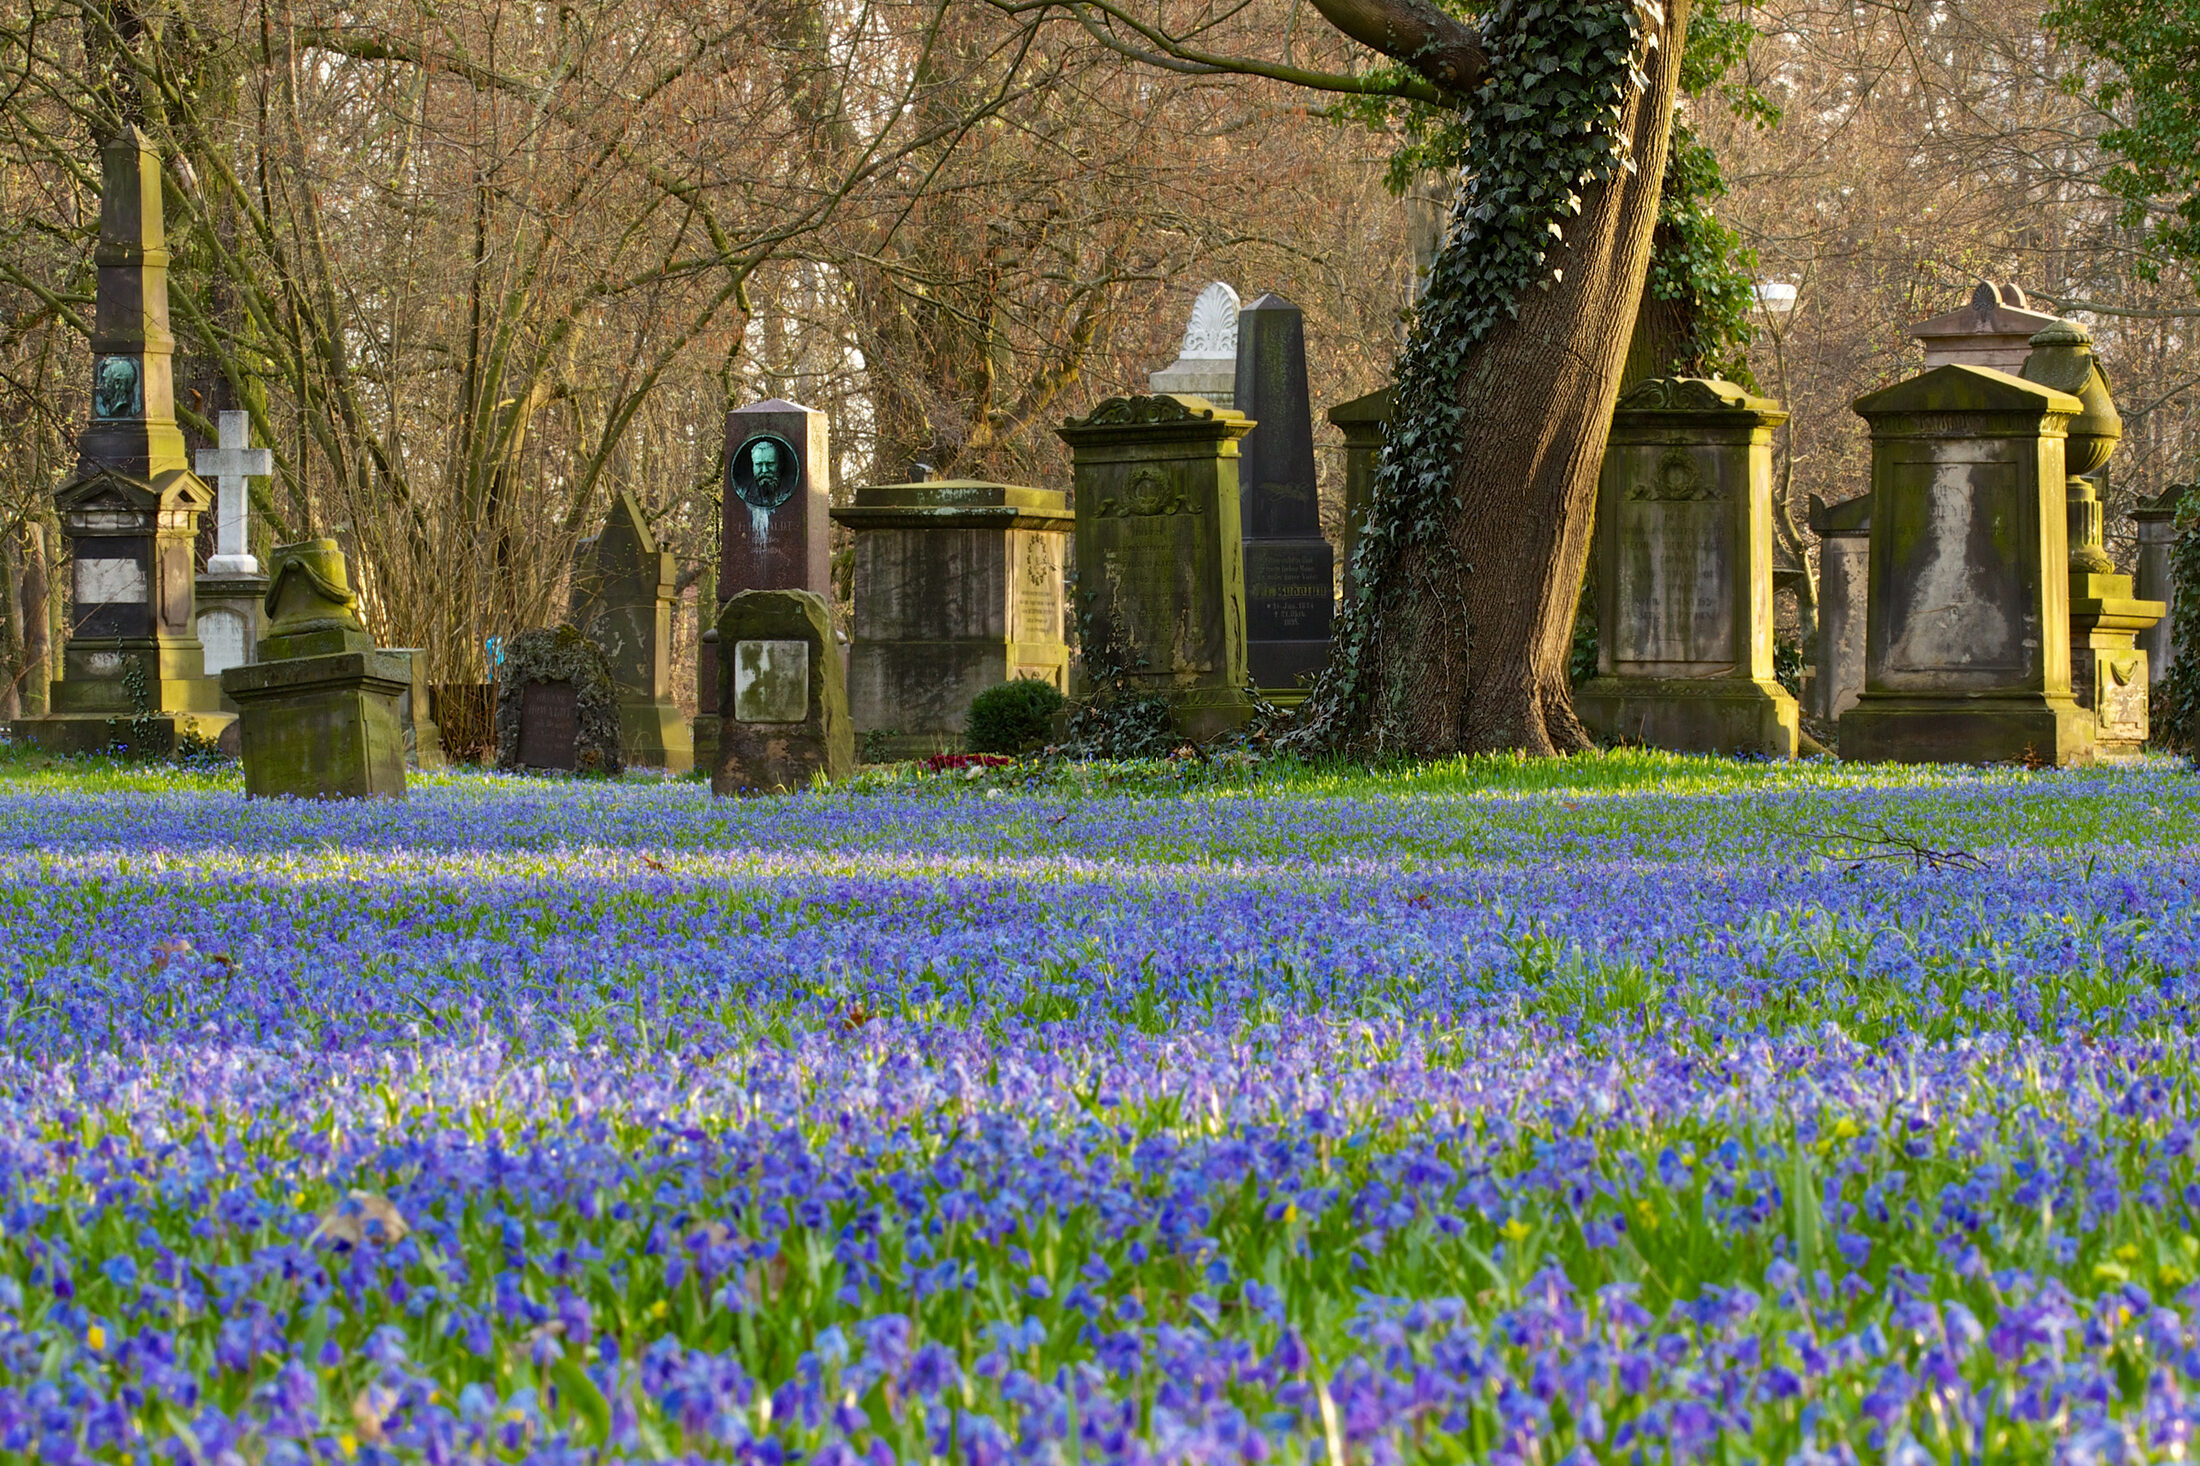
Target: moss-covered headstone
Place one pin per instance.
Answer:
(321, 712)
(623, 587)
(782, 696)
(1967, 648)
(557, 705)
(1160, 555)
(1684, 574)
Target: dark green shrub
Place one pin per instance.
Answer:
(1015, 717)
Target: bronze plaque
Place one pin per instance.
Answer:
(549, 725)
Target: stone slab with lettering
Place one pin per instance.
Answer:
(958, 587)
(1967, 649)
(623, 590)
(1206, 364)
(783, 721)
(557, 705)
(1684, 574)
(778, 492)
(1160, 554)
(321, 712)
(133, 671)
(1844, 533)
(1290, 569)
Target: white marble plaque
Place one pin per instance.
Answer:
(221, 632)
(109, 582)
(771, 681)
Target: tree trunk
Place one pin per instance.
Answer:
(1482, 665)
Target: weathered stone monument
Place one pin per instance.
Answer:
(1290, 570)
(557, 705)
(1684, 574)
(2108, 671)
(231, 591)
(321, 709)
(1844, 533)
(423, 739)
(1160, 558)
(1967, 654)
(2155, 578)
(777, 534)
(782, 696)
(958, 587)
(1206, 364)
(1362, 421)
(133, 672)
(1994, 329)
(623, 589)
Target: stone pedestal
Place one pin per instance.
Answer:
(1160, 560)
(623, 589)
(2155, 580)
(1967, 655)
(2108, 671)
(1362, 421)
(230, 621)
(1290, 569)
(958, 587)
(1994, 330)
(782, 696)
(776, 534)
(1684, 574)
(321, 711)
(1844, 533)
(1206, 365)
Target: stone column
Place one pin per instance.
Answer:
(1844, 533)
(1290, 569)
(1684, 574)
(958, 588)
(2156, 522)
(1362, 421)
(1160, 560)
(1967, 650)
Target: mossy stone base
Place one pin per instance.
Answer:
(329, 727)
(772, 754)
(653, 735)
(1692, 715)
(154, 736)
(2035, 730)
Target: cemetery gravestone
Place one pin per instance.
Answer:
(1206, 365)
(232, 589)
(1967, 647)
(557, 707)
(782, 696)
(623, 589)
(1160, 557)
(1684, 574)
(958, 587)
(776, 534)
(706, 670)
(423, 740)
(1994, 330)
(320, 711)
(133, 670)
(1362, 421)
(1844, 533)
(2154, 580)
(1290, 570)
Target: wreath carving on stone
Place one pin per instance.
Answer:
(562, 654)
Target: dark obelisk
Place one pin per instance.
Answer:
(1290, 586)
(133, 672)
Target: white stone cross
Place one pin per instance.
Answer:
(229, 466)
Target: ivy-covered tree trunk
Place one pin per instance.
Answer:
(1459, 635)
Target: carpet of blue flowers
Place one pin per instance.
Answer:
(1624, 1109)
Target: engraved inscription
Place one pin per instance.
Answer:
(221, 632)
(1674, 592)
(549, 725)
(1038, 591)
(1954, 588)
(109, 582)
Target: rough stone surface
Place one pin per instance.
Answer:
(1160, 557)
(2153, 579)
(423, 739)
(782, 696)
(623, 590)
(1967, 655)
(562, 679)
(1844, 533)
(1290, 570)
(958, 587)
(1684, 574)
(321, 714)
(1362, 421)
(776, 534)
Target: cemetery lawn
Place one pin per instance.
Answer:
(1630, 1108)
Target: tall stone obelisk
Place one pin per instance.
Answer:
(133, 671)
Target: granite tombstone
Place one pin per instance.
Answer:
(1844, 533)
(623, 590)
(776, 533)
(2154, 577)
(1290, 570)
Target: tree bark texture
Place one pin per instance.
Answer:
(1481, 665)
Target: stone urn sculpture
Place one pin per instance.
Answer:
(2062, 358)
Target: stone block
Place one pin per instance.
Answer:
(623, 589)
(1844, 533)
(783, 721)
(1290, 569)
(323, 727)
